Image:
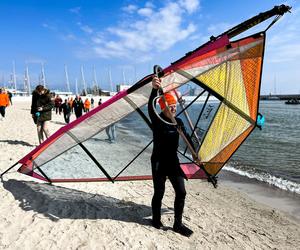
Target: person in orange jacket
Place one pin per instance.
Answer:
(71, 104)
(87, 105)
(4, 102)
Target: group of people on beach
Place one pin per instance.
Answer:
(71, 105)
(43, 103)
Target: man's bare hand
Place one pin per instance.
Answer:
(156, 82)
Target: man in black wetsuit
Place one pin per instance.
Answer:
(164, 160)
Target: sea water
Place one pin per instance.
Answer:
(272, 155)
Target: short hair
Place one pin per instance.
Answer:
(39, 88)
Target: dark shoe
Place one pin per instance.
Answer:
(157, 224)
(182, 229)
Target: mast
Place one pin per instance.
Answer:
(14, 76)
(110, 80)
(95, 87)
(43, 80)
(83, 80)
(95, 76)
(276, 11)
(27, 81)
(67, 79)
(76, 86)
(124, 79)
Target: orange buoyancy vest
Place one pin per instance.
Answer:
(4, 100)
(87, 104)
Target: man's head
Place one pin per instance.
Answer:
(171, 101)
(40, 89)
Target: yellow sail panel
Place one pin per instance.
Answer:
(227, 81)
(225, 128)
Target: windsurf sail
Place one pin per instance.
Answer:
(225, 76)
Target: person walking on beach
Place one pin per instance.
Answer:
(9, 97)
(57, 104)
(92, 102)
(71, 104)
(41, 111)
(78, 106)
(164, 159)
(4, 102)
(66, 108)
(87, 105)
(111, 133)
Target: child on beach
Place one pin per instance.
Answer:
(164, 159)
(41, 110)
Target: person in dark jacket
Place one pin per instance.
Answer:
(41, 107)
(164, 159)
(78, 106)
(66, 108)
(57, 104)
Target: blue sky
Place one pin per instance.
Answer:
(131, 36)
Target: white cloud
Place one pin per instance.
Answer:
(48, 26)
(190, 5)
(130, 8)
(75, 10)
(68, 37)
(154, 30)
(145, 12)
(85, 28)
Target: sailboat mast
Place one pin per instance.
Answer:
(95, 76)
(110, 80)
(95, 87)
(124, 79)
(43, 75)
(83, 80)
(76, 86)
(27, 81)
(14, 76)
(67, 78)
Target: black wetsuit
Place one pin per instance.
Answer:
(165, 162)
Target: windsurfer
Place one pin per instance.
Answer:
(164, 159)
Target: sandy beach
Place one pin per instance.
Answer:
(36, 215)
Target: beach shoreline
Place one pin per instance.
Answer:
(36, 215)
(283, 200)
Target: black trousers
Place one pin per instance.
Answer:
(2, 110)
(159, 180)
(67, 117)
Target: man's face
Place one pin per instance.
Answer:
(172, 108)
(41, 92)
